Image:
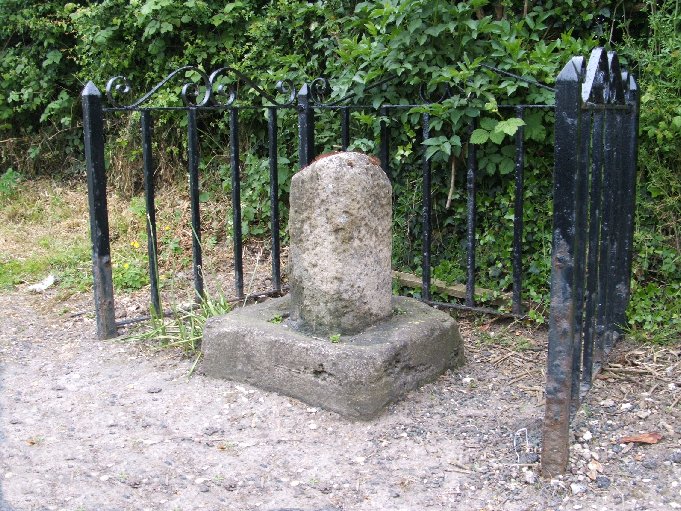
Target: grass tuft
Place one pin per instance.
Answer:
(182, 329)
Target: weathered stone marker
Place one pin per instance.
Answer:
(347, 345)
(341, 245)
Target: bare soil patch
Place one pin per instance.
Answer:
(106, 425)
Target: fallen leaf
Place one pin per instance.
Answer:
(644, 438)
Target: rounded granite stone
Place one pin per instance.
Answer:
(340, 244)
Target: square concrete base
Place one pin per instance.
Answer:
(355, 376)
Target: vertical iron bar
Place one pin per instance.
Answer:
(561, 318)
(614, 177)
(602, 305)
(236, 202)
(618, 267)
(305, 127)
(274, 198)
(345, 128)
(471, 217)
(193, 161)
(581, 216)
(625, 203)
(629, 176)
(93, 131)
(146, 124)
(427, 213)
(620, 275)
(595, 212)
(385, 143)
(518, 215)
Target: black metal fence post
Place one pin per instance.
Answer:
(193, 164)
(384, 150)
(627, 153)
(592, 263)
(274, 197)
(580, 248)
(632, 99)
(471, 216)
(236, 202)
(427, 212)
(561, 318)
(345, 128)
(610, 239)
(604, 300)
(146, 126)
(518, 215)
(305, 127)
(93, 128)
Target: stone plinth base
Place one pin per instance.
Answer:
(356, 375)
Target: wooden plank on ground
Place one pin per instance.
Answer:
(455, 290)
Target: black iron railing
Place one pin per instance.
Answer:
(309, 103)
(595, 164)
(594, 199)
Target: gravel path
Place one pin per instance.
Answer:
(92, 425)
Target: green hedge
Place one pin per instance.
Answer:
(49, 49)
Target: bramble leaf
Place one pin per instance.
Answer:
(479, 136)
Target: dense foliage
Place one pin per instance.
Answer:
(49, 49)
(655, 56)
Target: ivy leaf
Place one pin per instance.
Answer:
(479, 136)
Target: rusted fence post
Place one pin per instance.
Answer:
(569, 125)
(594, 200)
(93, 128)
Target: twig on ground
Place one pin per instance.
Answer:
(525, 374)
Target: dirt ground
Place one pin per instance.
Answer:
(107, 425)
